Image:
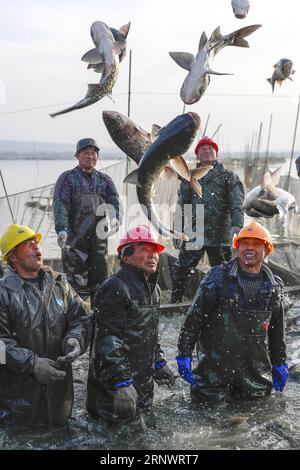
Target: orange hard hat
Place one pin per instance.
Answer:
(255, 230)
(140, 234)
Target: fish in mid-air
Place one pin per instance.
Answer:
(172, 140)
(108, 49)
(133, 140)
(200, 66)
(267, 200)
(240, 8)
(283, 70)
(96, 57)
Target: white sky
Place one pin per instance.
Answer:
(42, 41)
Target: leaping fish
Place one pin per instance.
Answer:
(109, 51)
(240, 8)
(283, 70)
(200, 66)
(174, 139)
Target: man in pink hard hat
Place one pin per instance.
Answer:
(222, 199)
(126, 357)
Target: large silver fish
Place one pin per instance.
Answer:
(172, 140)
(97, 57)
(133, 140)
(200, 66)
(240, 8)
(108, 50)
(266, 200)
(283, 70)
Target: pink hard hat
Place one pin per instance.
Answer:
(140, 234)
(206, 141)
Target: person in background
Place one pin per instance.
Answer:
(80, 199)
(126, 356)
(297, 163)
(222, 199)
(237, 320)
(44, 326)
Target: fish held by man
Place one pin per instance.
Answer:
(240, 8)
(283, 70)
(267, 200)
(173, 140)
(200, 66)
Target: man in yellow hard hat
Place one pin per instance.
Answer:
(237, 322)
(44, 326)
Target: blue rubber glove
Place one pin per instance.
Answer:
(280, 375)
(185, 368)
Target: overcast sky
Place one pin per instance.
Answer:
(41, 43)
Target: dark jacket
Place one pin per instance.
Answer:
(238, 346)
(37, 323)
(125, 343)
(222, 196)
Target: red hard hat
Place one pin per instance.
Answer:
(206, 141)
(140, 234)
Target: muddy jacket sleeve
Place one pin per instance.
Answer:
(198, 316)
(114, 199)
(78, 319)
(236, 195)
(62, 203)
(111, 306)
(277, 346)
(18, 360)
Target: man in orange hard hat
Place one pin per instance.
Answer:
(222, 199)
(125, 354)
(44, 326)
(237, 321)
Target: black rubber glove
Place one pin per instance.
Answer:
(125, 402)
(45, 371)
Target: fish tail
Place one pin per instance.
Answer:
(239, 35)
(271, 83)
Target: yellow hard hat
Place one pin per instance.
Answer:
(255, 230)
(14, 235)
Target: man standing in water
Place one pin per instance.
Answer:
(126, 357)
(237, 321)
(222, 199)
(80, 200)
(44, 326)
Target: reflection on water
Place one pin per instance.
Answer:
(271, 423)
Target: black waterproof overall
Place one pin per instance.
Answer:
(235, 348)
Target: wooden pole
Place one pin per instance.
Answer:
(206, 124)
(268, 144)
(7, 198)
(293, 147)
(127, 158)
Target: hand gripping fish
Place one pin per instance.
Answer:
(199, 67)
(108, 51)
(174, 139)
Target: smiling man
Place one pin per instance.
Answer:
(237, 321)
(44, 326)
(126, 357)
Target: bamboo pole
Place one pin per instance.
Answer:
(7, 198)
(293, 147)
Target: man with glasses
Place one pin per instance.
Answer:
(222, 199)
(44, 326)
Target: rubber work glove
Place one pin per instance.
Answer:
(185, 368)
(125, 402)
(62, 238)
(163, 374)
(280, 375)
(45, 371)
(234, 231)
(72, 350)
(177, 243)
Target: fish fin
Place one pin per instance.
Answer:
(198, 173)
(125, 29)
(240, 34)
(203, 41)
(154, 132)
(180, 166)
(217, 33)
(276, 176)
(117, 47)
(183, 59)
(271, 83)
(290, 79)
(267, 183)
(168, 173)
(212, 72)
(92, 57)
(111, 98)
(132, 178)
(99, 68)
(196, 186)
